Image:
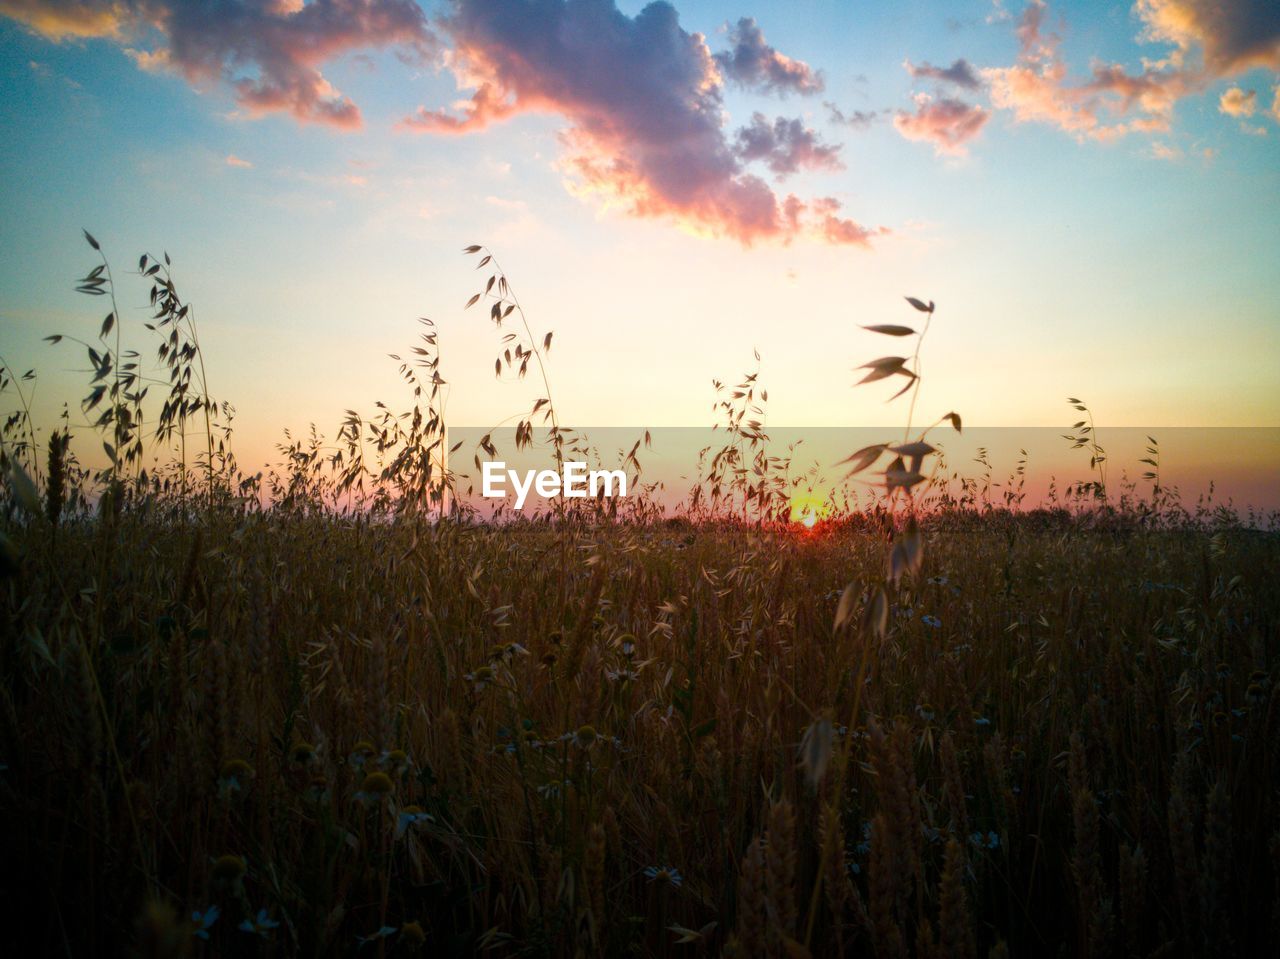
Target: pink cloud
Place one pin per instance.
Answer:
(235, 161)
(270, 52)
(947, 124)
(841, 230)
(644, 103)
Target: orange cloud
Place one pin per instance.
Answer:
(1036, 88)
(1231, 37)
(1211, 40)
(270, 51)
(1238, 103)
(487, 105)
(63, 19)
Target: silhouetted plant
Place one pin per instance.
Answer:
(410, 469)
(17, 432)
(180, 355)
(519, 347)
(311, 723)
(742, 477)
(118, 387)
(1084, 435)
(56, 483)
(905, 470)
(115, 378)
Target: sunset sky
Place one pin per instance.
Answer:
(1090, 191)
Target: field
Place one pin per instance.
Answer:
(832, 513)
(290, 731)
(315, 712)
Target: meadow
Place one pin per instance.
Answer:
(312, 713)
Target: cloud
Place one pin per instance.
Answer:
(235, 161)
(1112, 103)
(998, 13)
(1153, 91)
(858, 119)
(69, 19)
(1275, 105)
(1163, 151)
(754, 65)
(644, 103)
(1238, 103)
(785, 146)
(961, 73)
(1091, 110)
(948, 124)
(1211, 40)
(1030, 33)
(487, 105)
(1231, 37)
(837, 229)
(270, 52)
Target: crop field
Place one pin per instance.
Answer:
(329, 710)
(638, 739)
(833, 512)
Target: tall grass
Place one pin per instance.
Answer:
(305, 714)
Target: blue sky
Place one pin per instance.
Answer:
(1136, 268)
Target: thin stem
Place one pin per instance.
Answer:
(115, 393)
(546, 382)
(204, 389)
(1098, 456)
(915, 369)
(26, 410)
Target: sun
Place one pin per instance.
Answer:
(807, 509)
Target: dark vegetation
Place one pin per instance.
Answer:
(313, 712)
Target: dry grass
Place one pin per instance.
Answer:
(306, 728)
(449, 725)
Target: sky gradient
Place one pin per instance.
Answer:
(1089, 191)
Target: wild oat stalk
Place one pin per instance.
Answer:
(180, 354)
(17, 433)
(502, 303)
(1084, 435)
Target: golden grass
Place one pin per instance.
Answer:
(304, 714)
(484, 737)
